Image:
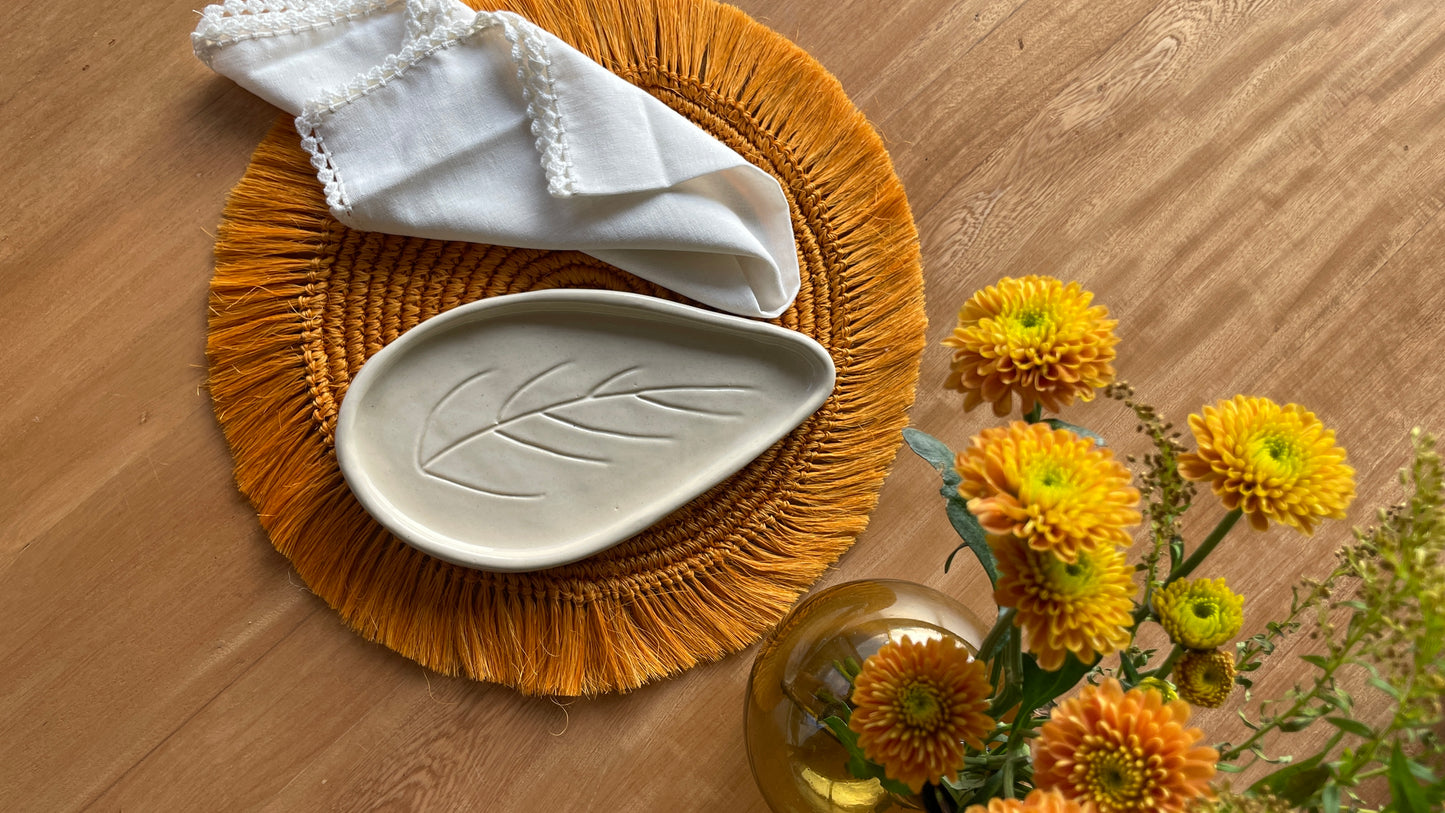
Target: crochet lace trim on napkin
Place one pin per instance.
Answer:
(534, 71)
(326, 173)
(239, 20)
(427, 15)
(431, 26)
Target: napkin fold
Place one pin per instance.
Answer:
(429, 119)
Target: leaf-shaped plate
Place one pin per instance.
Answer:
(534, 429)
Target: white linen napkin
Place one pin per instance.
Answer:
(431, 120)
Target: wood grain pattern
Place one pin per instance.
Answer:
(1256, 188)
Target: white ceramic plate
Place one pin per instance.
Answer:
(535, 429)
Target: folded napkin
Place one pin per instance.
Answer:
(432, 120)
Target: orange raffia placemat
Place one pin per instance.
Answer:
(299, 302)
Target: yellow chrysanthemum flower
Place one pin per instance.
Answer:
(1059, 492)
(916, 704)
(1084, 606)
(1038, 801)
(1272, 462)
(1205, 678)
(1163, 687)
(1199, 613)
(1034, 337)
(1120, 752)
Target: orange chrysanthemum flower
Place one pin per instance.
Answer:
(1038, 801)
(916, 704)
(1118, 752)
(1084, 606)
(1059, 492)
(1273, 462)
(1034, 337)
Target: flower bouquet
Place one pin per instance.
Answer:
(1062, 707)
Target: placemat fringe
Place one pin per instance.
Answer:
(299, 302)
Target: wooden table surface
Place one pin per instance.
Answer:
(1255, 188)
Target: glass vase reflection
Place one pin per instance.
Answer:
(798, 764)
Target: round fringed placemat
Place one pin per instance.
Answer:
(299, 302)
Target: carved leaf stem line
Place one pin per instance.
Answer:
(640, 394)
(571, 423)
(654, 396)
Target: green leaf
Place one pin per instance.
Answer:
(1387, 688)
(1296, 724)
(1406, 795)
(860, 766)
(973, 537)
(1341, 700)
(1176, 550)
(992, 789)
(1355, 727)
(1330, 799)
(1296, 784)
(1315, 660)
(948, 563)
(1098, 439)
(1422, 772)
(965, 781)
(1039, 686)
(936, 453)
(1299, 783)
(1131, 673)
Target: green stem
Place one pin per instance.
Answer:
(1302, 701)
(1207, 546)
(1001, 626)
(1168, 664)
(1359, 759)
(1255, 651)
(1008, 765)
(1015, 649)
(1036, 414)
(1143, 610)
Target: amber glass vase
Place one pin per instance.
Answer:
(799, 765)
